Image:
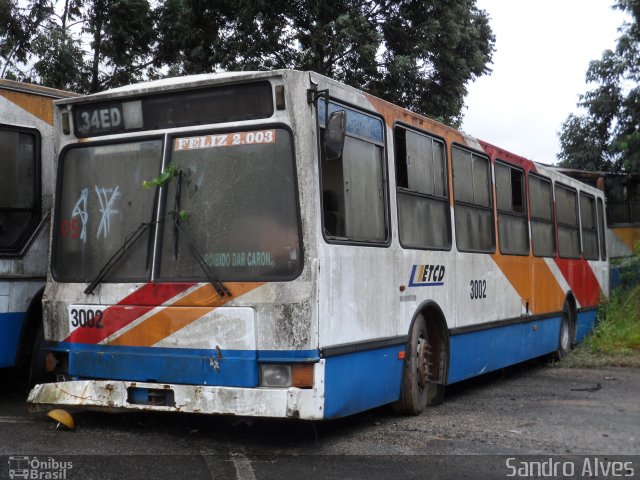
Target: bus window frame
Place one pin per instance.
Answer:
(164, 200)
(320, 103)
(595, 226)
(525, 214)
(580, 255)
(602, 228)
(27, 235)
(553, 220)
(490, 208)
(415, 193)
(58, 198)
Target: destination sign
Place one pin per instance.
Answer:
(99, 119)
(201, 106)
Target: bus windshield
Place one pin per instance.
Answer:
(101, 201)
(236, 191)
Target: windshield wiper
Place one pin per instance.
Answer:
(215, 283)
(176, 207)
(117, 256)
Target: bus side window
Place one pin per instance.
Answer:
(473, 201)
(543, 239)
(19, 205)
(589, 226)
(513, 227)
(353, 186)
(568, 225)
(601, 231)
(423, 199)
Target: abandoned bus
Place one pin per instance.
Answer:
(26, 188)
(279, 244)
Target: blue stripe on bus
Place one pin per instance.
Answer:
(362, 380)
(188, 366)
(483, 351)
(10, 331)
(585, 324)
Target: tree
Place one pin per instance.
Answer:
(417, 53)
(59, 56)
(420, 54)
(19, 25)
(607, 136)
(80, 45)
(122, 33)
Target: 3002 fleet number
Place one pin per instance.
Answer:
(478, 289)
(86, 318)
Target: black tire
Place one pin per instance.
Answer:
(567, 332)
(415, 376)
(37, 367)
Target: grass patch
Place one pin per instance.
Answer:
(616, 339)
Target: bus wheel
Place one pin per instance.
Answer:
(416, 373)
(565, 342)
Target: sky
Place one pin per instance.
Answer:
(542, 52)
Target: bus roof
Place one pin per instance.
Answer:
(178, 83)
(35, 89)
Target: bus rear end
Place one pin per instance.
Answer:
(179, 281)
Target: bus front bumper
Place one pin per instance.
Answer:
(108, 395)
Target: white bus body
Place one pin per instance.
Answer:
(351, 281)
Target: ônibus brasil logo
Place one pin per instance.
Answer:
(34, 468)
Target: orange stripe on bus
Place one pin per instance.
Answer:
(180, 314)
(41, 107)
(534, 281)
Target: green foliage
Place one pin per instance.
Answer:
(122, 34)
(618, 328)
(172, 170)
(606, 137)
(20, 24)
(60, 64)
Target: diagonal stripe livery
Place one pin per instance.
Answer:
(145, 299)
(183, 312)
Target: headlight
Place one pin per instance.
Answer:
(278, 375)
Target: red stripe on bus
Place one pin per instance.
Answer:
(581, 279)
(115, 317)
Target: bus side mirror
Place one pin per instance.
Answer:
(334, 135)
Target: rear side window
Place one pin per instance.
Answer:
(473, 201)
(19, 187)
(513, 225)
(589, 227)
(543, 238)
(601, 231)
(568, 225)
(423, 197)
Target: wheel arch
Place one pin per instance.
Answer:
(570, 300)
(436, 329)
